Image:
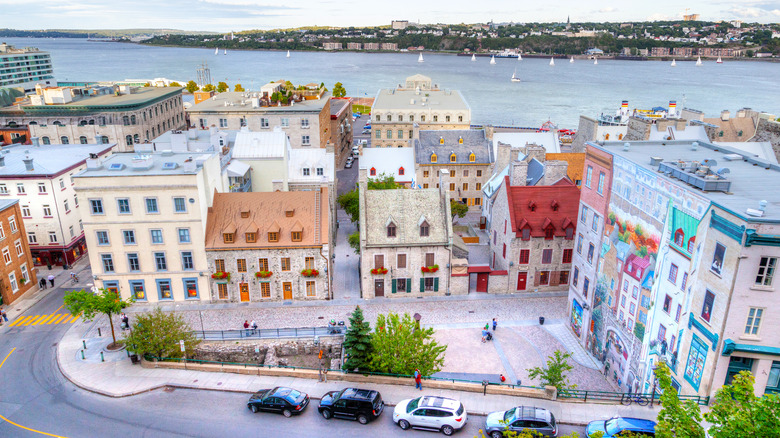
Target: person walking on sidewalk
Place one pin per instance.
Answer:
(495, 324)
(125, 321)
(51, 280)
(4, 315)
(246, 324)
(42, 283)
(254, 327)
(417, 379)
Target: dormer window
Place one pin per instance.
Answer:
(433, 158)
(372, 172)
(441, 139)
(691, 243)
(424, 229)
(401, 171)
(273, 237)
(679, 237)
(554, 205)
(472, 157)
(526, 234)
(296, 236)
(228, 237)
(532, 206)
(549, 233)
(251, 237)
(245, 214)
(289, 213)
(460, 140)
(306, 171)
(453, 157)
(391, 230)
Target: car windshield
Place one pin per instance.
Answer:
(294, 395)
(612, 427)
(508, 415)
(337, 395)
(412, 405)
(552, 420)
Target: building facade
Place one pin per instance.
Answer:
(25, 67)
(17, 275)
(341, 129)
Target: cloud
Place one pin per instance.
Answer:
(606, 10)
(251, 3)
(661, 17)
(752, 12)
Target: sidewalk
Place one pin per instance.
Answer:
(117, 377)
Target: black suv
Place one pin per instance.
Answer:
(362, 405)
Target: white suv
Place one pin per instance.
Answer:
(431, 413)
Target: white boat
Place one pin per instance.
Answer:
(492, 60)
(288, 53)
(552, 61)
(515, 78)
(698, 61)
(225, 53)
(420, 59)
(595, 61)
(216, 51)
(674, 63)
(519, 57)
(719, 61)
(473, 57)
(571, 60)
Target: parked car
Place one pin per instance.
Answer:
(355, 150)
(363, 405)
(366, 131)
(348, 164)
(613, 427)
(517, 419)
(431, 413)
(286, 401)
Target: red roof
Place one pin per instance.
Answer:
(635, 264)
(564, 192)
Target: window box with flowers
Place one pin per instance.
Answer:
(379, 271)
(432, 268)
(310, 272)
(263, 274)
(221, 277)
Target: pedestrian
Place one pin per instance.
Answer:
(246, 324)
(126, 321)
(5, 316)
(495, 324)
(417, 379)
(254, 326)
(51, 280)
(484, 336)
(42, 283)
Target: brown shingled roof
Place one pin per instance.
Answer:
(267, 214)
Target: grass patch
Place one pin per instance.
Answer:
(362, 109)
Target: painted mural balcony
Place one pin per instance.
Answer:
(669, 358)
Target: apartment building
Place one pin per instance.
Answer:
(25, 68)
(341, 128)
(17, 275)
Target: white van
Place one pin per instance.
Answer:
(356, 150)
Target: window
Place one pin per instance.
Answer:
(430, 284)
(157, 236)
(453, 158)
(447, 118)
(108, 262)
(697, 356)
(25, 272)
(753, 321)
(132, 262)
(673, 274)
(285, 122)
(20, 189)
(129, 237)
(223, 123)
(525, 255)
(452, 174)
(311, 289)
(684, 281)
(262, 264)
(179, 205)
(706, 308)
(66, 206)
(465, 186)
(503, 254)
(595, 223)
(547, 256)
(452, 187)
(590, 253)
(585, 286)
(588, 176)
(579, 244)
(296, 236)
(389, 134)
(400, 261)
(164, 289)
(52, 237)
(96, 205)
(424, 229)
(241, 265)
(544, 277)
(151, 206)
(631, 310)
(186, 261)
(46, 210)
(379, 261)
(263, 122)
(273, 237)
(251, 237)
(679, 237)
(667, 304)
(32, 238)
(391, 230)
(679, 313)
(45, 140)
(584, 215)
(400, 134)
(6, 256)
(321, 171)
(717, 258)
(12, 280)
(159, 261)
(635, 292)
(766, 270)
(305, 140)
(430, 259)
(76, 200)
(378, 133)
(102, 237)
(222, 291)
(285, 264)
(575, 277)
(567, 253)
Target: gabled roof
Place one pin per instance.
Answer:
(408, 208)
(474, 141)
(389, 161)
(634, 263)
(520, 198)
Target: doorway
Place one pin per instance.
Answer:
(379, 288)
(482, 282)
(244, 289)
(522, 280)
(287, 290)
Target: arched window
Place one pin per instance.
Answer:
(136, 139)
(400, 118)
(411, 117)
(389, 117)
(64, 139)
(441, 140)
(679, 237)
(391, 230)
(453, 158)
(83, 139)
(132, 119)
(372, 172)
(606, 136)
(691, 244)
(460, 140)
(472, 157)
(433, 158)
(12, 124)
(104, 139)
(45, 140)
(33, 123)
(91, 122)
(83, 123)
(129, 140)
(401, 171)
(424, 229)
(125, 120)
(620, 136)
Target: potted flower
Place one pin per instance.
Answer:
(432, 268)
(310, 272)
(221, 277)
(263, 274)
(379, 271)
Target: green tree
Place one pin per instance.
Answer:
(238, 87)
(554, 372)
(737, 411)
(354, 241)
(192, 87)
(458, 209)
(357, 342)
(158, 333)
(174, 84)
(400, 346)
(676, 419)
(208, 87)
(338, 90)
(222, 87)
(639, 330)
(90, 304)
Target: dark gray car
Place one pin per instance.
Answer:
(517, 419)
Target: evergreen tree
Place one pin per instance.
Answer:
(357, 342)
(338, 90)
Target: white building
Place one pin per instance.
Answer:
(396, 162)
(25, 67)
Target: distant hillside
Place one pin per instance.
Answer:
(96, 33)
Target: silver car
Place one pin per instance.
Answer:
(517, 419)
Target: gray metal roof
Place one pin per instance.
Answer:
(535, 172)
(440, 100)
(473, 141)
(6, 203)
(130, 164)
(234, 99)
(407, 209)
(47, 160)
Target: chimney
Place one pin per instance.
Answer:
(35, 141)
(554, 170)
(277, 185)
(518, 173)
(362, 181)
(489, 130)
(93, 162)
(442, 173)
(503, 156)
(725, 115)
(533, 150)
(28, 163)
(98, 139)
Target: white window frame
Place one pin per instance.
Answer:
(32, 239)
(753, 321)
(764, 279)
(12, 281)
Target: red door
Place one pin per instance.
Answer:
(522, 277)
(482, 282)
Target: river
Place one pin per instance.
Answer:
(560, 93)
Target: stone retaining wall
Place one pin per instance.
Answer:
(266, 352)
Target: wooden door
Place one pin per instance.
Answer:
(482, 282)
(379, 288)
(482, 222)
(244, 289)
(522, 279)
(287, 288)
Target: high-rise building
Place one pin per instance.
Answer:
(25, 67)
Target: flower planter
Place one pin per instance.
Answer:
(263, 274)
(379, 271)
(310, 272)
(221, 277)
(431, 269)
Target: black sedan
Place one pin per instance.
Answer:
(288, 401)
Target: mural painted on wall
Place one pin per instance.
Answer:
(576, 318)
(616, 357)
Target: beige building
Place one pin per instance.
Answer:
(405, 242)
(270, 246)
(105, 114)
(418, 102)
(305, 122)
(145, 223)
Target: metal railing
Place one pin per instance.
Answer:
(301, 332)
(619, 397)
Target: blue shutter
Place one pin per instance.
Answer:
(436, 284)
(408, 285)
(422, 285)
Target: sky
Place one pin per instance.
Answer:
(235, 15)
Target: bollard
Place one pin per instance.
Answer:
(99, 332)
(484, 387)
(84, 343)
(82, 355)
(101, 357)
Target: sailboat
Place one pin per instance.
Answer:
(216, 51)
(473, 57)
(674, 63)
(288, 53)
(515, 78)
(698, 61)
(225, 53)
(519, 57)
(552, 61)
(595, 61)
(571, 60)
(420, 59)
(719, 61)
(492, 60)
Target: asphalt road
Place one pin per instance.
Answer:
(41, 402)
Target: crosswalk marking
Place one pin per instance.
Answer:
(57, 319)
(49, 318)
(18, 321)
(35, 318)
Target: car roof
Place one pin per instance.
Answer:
(359, 394)
(636, 424)
(532, 413)
(438, 402)
(281, 391)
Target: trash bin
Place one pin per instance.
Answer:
(135, 359)
(541, 320)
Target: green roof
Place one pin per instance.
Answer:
(140, 98)
(687, 224)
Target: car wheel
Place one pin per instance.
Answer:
(287, 413)
(403, 424)
(326, 414)
(447, 430)
(253, 408)
(496, 434)
(362, 419)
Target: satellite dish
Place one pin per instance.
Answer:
(709, 162)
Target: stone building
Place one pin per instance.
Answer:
(466, 154)
(274, 246)
(417, 102)
(405, 242)
(341, 129)
(105, 114)
(16, 273)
